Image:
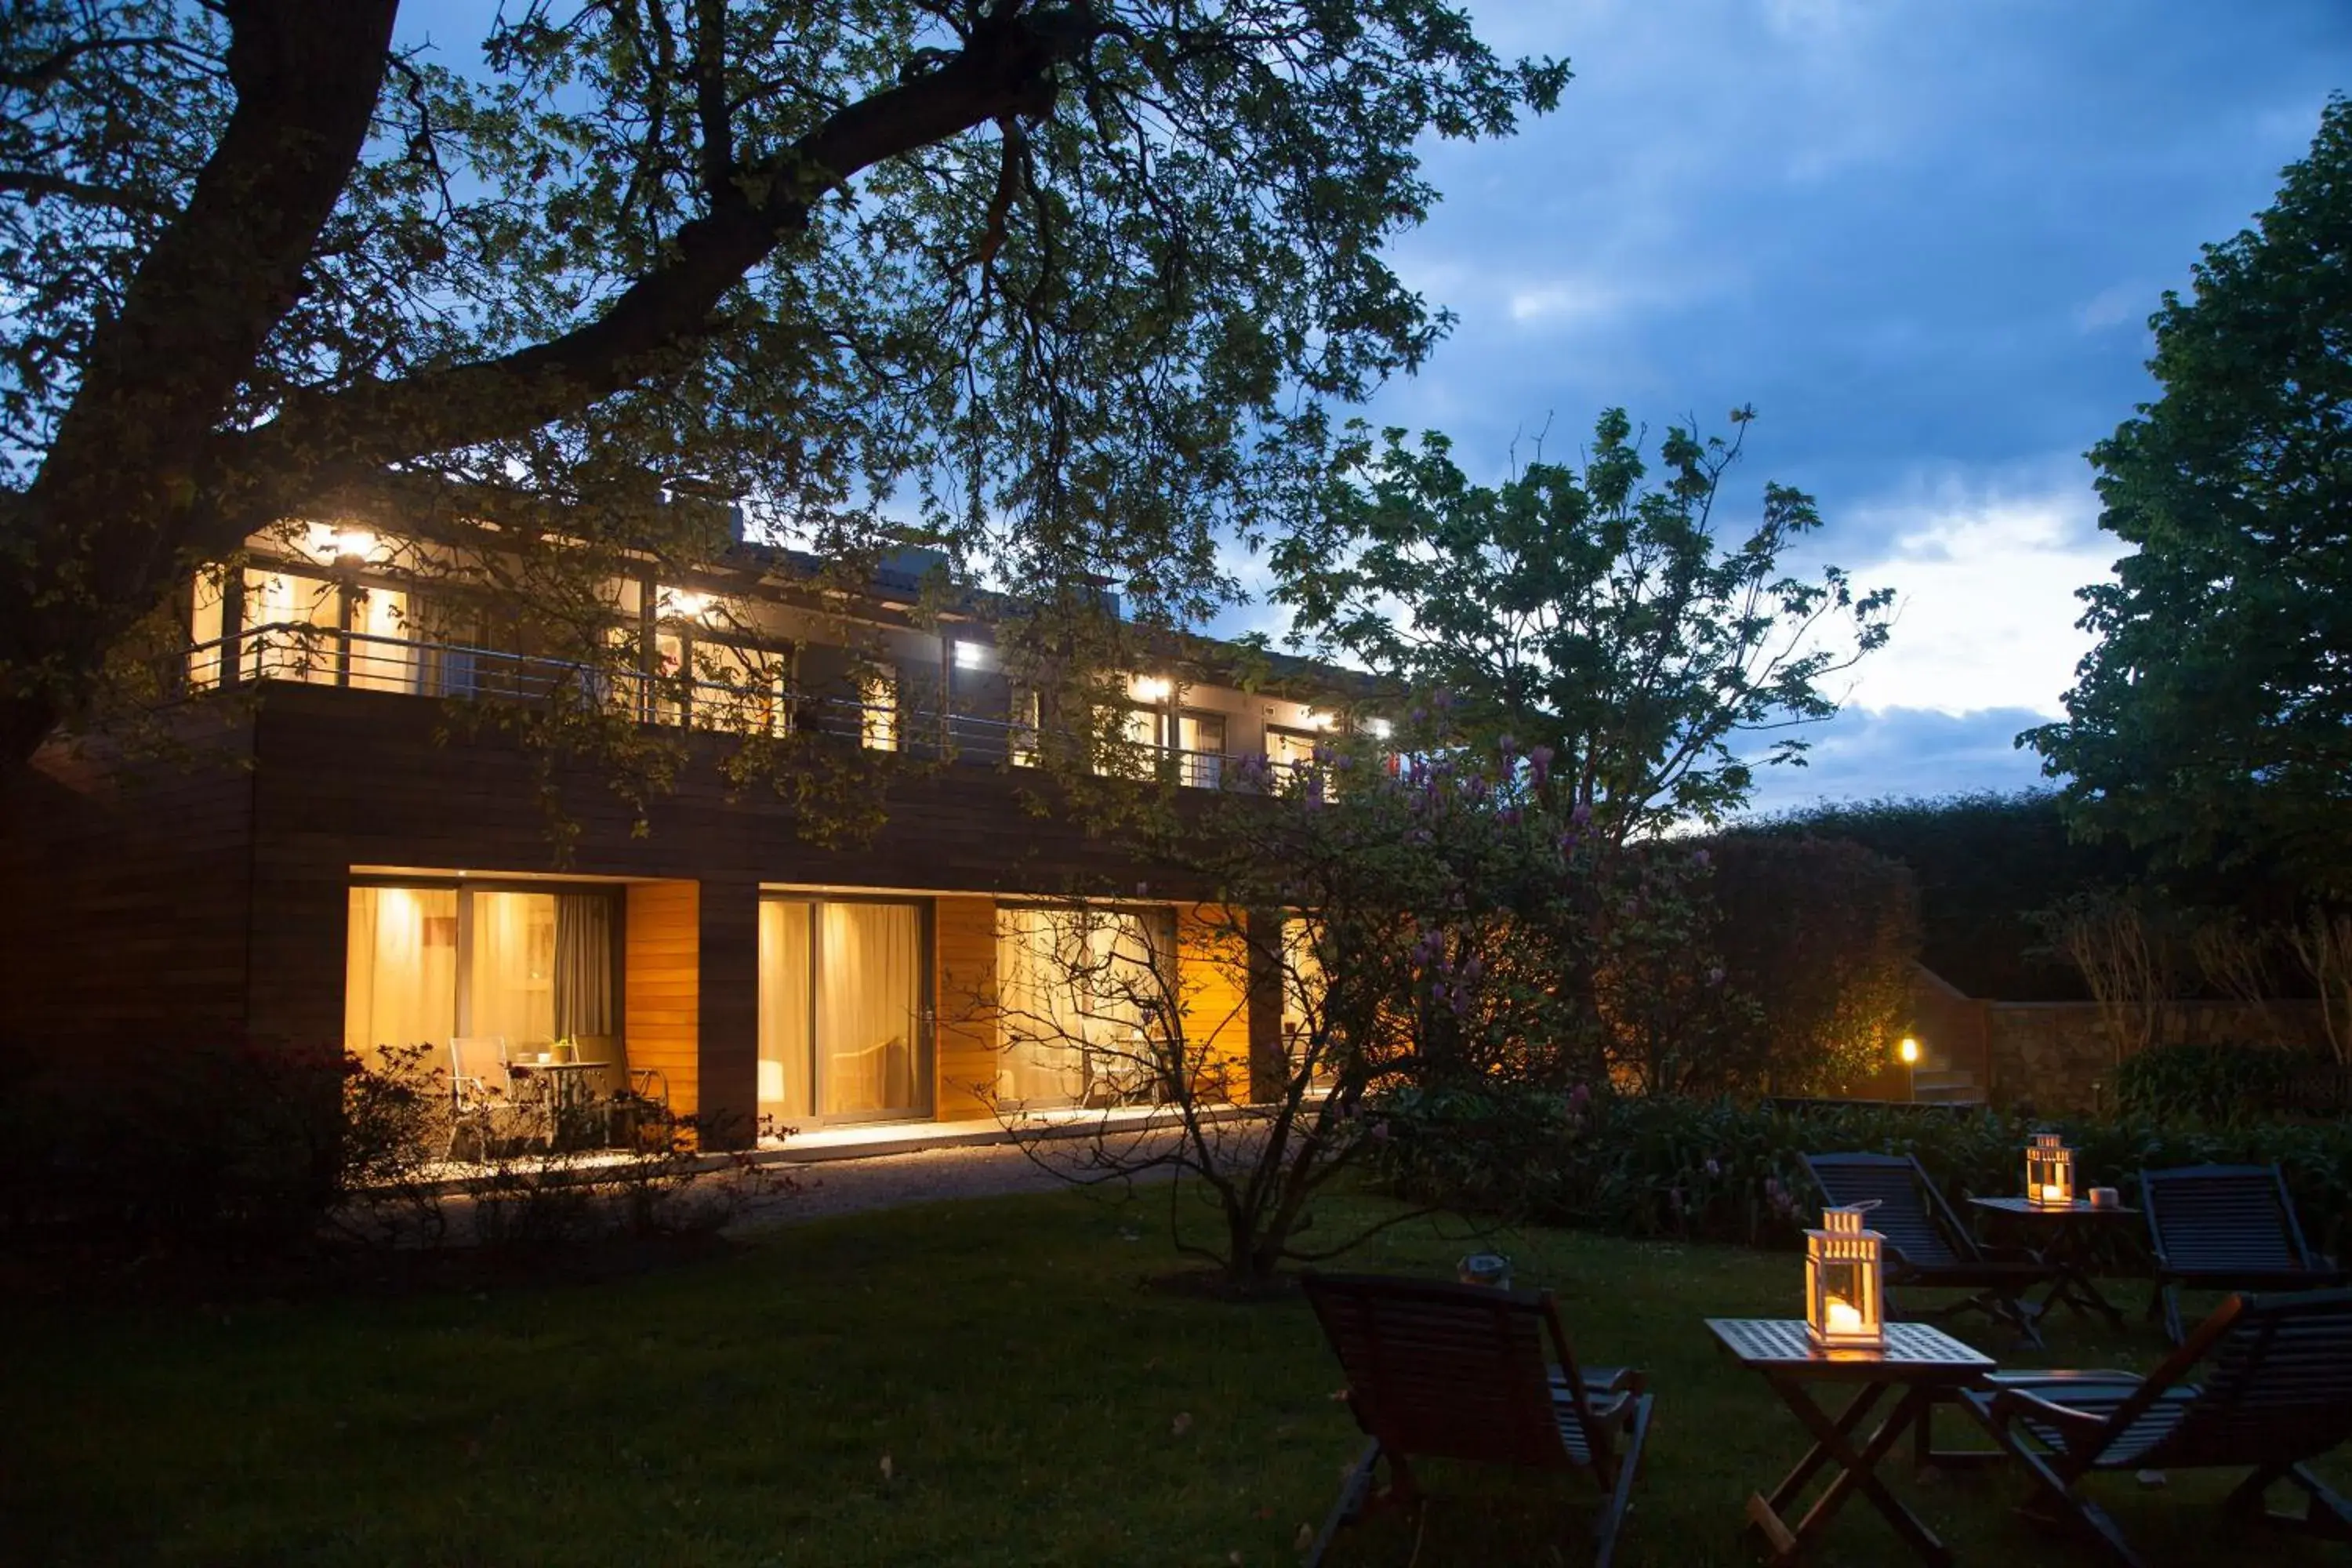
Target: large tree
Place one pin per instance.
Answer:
(1590, 612)
(1069, 280)
(2213, 719)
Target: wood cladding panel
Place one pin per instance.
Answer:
(125, 901)
(1212, 978)
(661, 986)
(372, 775)
(963, 936)
(727, 1021)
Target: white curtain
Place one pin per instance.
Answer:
(401, 968)
(869, 996)
(1075, 984)
(1043, 1061)
(511, 985)
(784, 1010)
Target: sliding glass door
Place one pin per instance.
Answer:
(1080, 988)
(844, 1010)
(424, 963)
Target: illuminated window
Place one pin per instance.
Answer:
(877, 695)
(842, 1021)
(424, 963)
(1080, 989)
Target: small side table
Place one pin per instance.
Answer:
(2068, 1250)
(1926, 1364)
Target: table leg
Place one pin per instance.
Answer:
(1793, 1484)
(2073, 1286)
(1856, 1472)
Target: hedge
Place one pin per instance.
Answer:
(1720, 1170)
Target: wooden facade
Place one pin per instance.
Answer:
(212, 899)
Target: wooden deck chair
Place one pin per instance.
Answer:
(2275, 1391)
(2225, 1228)
(1926, 1245)
(1437, 1370)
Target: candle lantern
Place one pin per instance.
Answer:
(2049, 1172)
(1845, 1281)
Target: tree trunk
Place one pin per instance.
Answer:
(103, 531)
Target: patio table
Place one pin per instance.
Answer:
(1926, 1364)
(569, 1085)
(2067, 1250)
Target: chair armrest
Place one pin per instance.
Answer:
(2009, 1403)
(1602, 1380)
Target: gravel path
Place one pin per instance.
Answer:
(830, 1187)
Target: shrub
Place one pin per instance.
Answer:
(1819, 935)
(2219, 1083)
(1718, 1170)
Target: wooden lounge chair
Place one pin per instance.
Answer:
(1437, 1370)
(2276, 1392)
(1926, 1245)
(2225, 1228)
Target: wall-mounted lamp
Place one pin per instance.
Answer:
(971, 656)
(1381, 729)
(1906, 1051)
(684, 604)
(1150, 689)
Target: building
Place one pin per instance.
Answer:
(332, 860)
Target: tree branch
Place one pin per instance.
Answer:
(1005, 70)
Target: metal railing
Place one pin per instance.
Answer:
(333, 656)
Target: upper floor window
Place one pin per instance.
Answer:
(878, 695)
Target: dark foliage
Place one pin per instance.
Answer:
(1819, 934)
(1983, 864)
(2225, 1083)
(1717, 1169)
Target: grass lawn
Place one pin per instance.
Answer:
(1034, 1405)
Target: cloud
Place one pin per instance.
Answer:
(1566, 300)
(1864, 756)
(1986, 574)
(2114, 306)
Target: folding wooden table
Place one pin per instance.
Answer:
(2068, 1250)
(1927, 1364)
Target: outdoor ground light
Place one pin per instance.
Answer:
(1845, 1281)
(2049, 1172)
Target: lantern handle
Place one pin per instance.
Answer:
(1863, 1205)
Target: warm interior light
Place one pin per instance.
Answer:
(682, 602)
(1908, 1051)
(1150, 689)
(1844, 1318)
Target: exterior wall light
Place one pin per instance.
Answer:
(971, 656)
(1381, 728)
(1150, 689)
(1906, 1051)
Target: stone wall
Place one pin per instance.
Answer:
(2059, 1055)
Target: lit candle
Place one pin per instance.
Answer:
(1843, 1319)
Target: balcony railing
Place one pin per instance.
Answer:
(331, 656)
